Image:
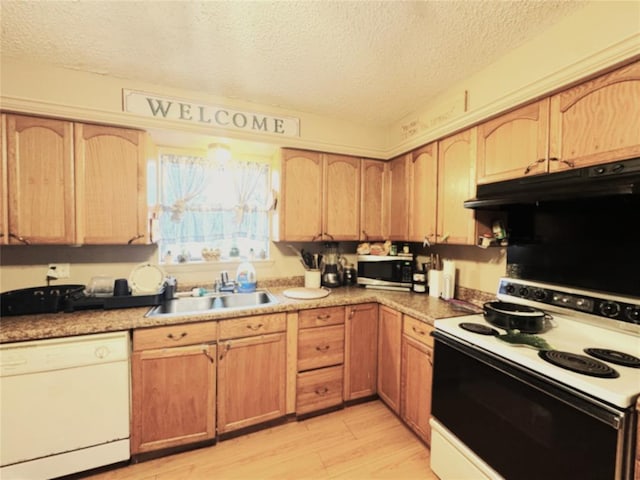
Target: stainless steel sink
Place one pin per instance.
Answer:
(211, 303)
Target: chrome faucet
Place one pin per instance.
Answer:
(225, 285)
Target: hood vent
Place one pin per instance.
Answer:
(608, 180)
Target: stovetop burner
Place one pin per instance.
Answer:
(578, 363)
(478, 328)
(613, 356)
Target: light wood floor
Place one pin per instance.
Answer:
(366, 441)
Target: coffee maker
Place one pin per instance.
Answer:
(331, 266)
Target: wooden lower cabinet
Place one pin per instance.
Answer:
(319, 389)
(417, 376)
(320, 359)
(251, 381)
(389, 344)
(173, 397)
(361, 351)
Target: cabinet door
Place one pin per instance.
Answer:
(301, 196)
(423, 194)
(40, 180)
(173, 397)
(361, 345)
(596, 121)
(111, 185)
(373, 203)
(389, 340)
(251, 381)
(456, 183)
(399, 198)
(4, 226)
(417, 377)
(514, 144)
(341, 198)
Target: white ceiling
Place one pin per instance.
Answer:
(371, 62)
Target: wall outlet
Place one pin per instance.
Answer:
(59, 270)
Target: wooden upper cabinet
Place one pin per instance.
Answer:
(423, 194)
(320, 196)
(514, 144)
(301, 198)
(597, 121)
(456, 183)
(341, 216)
(40, 180)
(399, 198)
(110, 185)
(373, 205)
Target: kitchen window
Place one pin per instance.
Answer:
(212, 209)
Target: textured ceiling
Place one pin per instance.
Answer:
(368, 61)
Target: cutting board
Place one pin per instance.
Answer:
(303, 293)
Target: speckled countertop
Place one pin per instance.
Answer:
(35, 327)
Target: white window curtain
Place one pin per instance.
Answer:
(203, 200)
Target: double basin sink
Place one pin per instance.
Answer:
(217, 302)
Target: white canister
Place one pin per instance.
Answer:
(435, 283)
(312, 279)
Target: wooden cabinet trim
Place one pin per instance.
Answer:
(252, 326)
(174, 335)
(320, 317)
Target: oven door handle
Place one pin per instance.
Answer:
(599, 410)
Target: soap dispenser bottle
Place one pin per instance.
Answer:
(246, 277)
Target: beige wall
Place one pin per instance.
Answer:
(596, 37)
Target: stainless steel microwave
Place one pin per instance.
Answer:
(385, 272)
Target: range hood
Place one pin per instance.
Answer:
(608, 180)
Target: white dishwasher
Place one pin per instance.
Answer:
(64, 405)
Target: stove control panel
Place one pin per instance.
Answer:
(598, 306)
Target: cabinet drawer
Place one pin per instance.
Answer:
(250, 326)
(320, 347)
(319, 389)
(174, 335)
(418, 330)
(320, 317)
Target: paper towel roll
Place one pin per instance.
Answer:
(435, 283)
(448, 279)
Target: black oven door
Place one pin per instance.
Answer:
(523, 425)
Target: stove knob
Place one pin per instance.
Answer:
(610, 309)
(539, 294)
(632, 313)
(510, 289)
(524, 292)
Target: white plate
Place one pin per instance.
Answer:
(306, 293)
(146, 278)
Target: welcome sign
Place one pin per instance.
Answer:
(175, 109)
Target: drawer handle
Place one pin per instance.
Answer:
(531, 165)
(206, 354)
(323, 348)
(255, 327)
(322, 391)
(323, 317)
(418, 331)
(172, 337)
